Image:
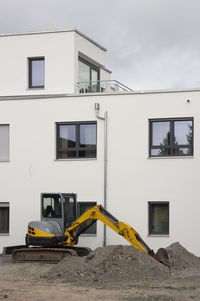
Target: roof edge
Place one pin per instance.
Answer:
(54, 31)
(43, 96)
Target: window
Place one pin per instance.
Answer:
(69, 207)
(4, 142)
(51, 206)
(36, 72)
(84, 206)
(76, 140)
(158, 218)
(171, 137)
(4, 218)
(88, 76)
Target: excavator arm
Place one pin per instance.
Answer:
(79, 226)
(98, 212)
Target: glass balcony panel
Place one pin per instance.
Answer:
(104, 86)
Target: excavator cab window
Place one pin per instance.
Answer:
(60, 206)
(70, 213)
(51, 206)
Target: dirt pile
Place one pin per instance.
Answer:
(119, 272)
(181, 259)
(111, 264)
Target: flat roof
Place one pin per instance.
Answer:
(44, 96)
(55, 31)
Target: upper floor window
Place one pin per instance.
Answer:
(88, 76)
(76, 140)
(171, 137)
(4, 142)
(36, 72)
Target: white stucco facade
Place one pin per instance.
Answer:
(60, 49)
(133, 177)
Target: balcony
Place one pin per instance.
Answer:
(104, 86)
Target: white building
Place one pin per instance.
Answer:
(52, 140)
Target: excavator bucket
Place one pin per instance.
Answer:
(163, 257)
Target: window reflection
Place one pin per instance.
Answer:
(160, 152)
(88, 76)
(161, 133)
(83, 72)
(36, 72)
(67, 138)
(183, 132)
(171, 137)
(87, 135)
(77, 140)
(158, 218)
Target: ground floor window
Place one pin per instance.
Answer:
(84, 206)
(4, 142)
(158, 218)
(4, 217)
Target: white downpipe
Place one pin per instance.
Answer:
(105, 119)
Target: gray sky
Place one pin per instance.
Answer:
(152, 44)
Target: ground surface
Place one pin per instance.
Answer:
(111, 273)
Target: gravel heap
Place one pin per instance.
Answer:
(181, 259)
(104, 266)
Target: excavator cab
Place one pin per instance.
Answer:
(59, 207)
(58, 212)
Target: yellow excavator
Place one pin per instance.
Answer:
(57, 233)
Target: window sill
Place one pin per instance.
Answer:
(4, 161)
(172, 157)
(88, 235)
(76, 159)
(4, 234)
(158, 235)
(36, 88)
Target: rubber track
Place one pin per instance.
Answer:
(47, 255)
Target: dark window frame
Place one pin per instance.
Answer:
(77, 147)
(92, 67)
(6, 205)
(90, 204)
(150, 205)
(8, 158)
(171, 146)
(92, 85)
(30, 60)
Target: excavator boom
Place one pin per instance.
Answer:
(100, 213)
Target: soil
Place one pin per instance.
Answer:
(111, 273)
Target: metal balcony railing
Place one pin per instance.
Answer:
(104, 86)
